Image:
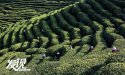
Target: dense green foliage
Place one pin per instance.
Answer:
(70, 31)
(12, 11)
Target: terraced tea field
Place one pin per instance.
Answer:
(69, 31)
(15, 10)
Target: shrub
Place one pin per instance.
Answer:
(83, 49)
(109, 39)
(70, 19)
(112, 69)
(98, 37)
(24, 46)
(82, 17)
(36, 31)
(81, 43)
(44, 68)
(3, 51)
(121, 15)
(108, 23)
(119, 44)
(46, 29)
(110, 30)
(85, 30)
(99, 41)
(43, 41)
(63, 34)
(66, 42)
(75, 42)
(70, 52)
(34, 43)
(75, 69)
(92, 14)
(117, 36)
(116, 58)
(15, 47)
(53, 24)
(75, 33)
(56, 48)
(86, 40)
(6, 40)
(74, 10)
(85, 7)
(54, 41)
(97, 26)
(121, 29)
(29, 33)
(35, 50)
(116, 21)
(21, 37)
(62, 23)
(41, 50)
(1, 40)
(120, 3)
(100, 46)
(113, 8)
(99, 8)
(110, 6)
(14, 39)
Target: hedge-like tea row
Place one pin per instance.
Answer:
(120, 3)
(35, 51)
(29, 33)
(111, 69)
(99, 41)
(121, 29)
(70, 19)
(64, 35)
(46, 29)
(97, 7)
(83, 34)
(113, 8)
(14, 38)
(26, 10)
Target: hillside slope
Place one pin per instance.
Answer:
(12, 11)
(69, 31)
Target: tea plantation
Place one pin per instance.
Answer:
(12, 11)
(69, 31)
